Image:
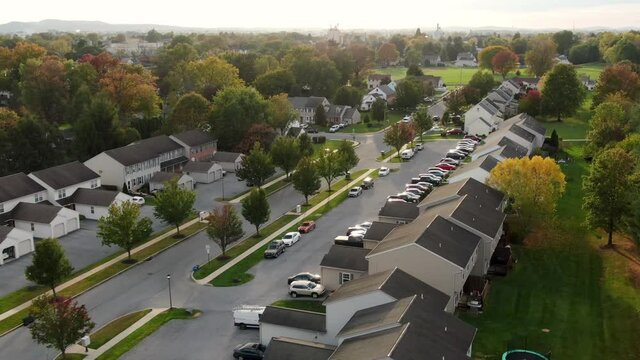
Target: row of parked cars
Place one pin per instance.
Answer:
(337, 127)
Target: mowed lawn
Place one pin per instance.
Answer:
(560, 297)
(574, 127)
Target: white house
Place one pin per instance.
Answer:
(230, 161)
(62, 181)
(478, 169)
(562, 59)
(18, 188)
(306, 107)
(94, 203)
(203, 172)
(375, 80)
(465, 59)
(14, 243)
(157, 181)
(482, 118)
(45, 221)
(342, 264)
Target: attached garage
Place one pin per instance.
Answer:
(229, 161)
(202, 171)
(58, 230)
(157, 181)
(14, 243)
(94, 203)
(44, 220)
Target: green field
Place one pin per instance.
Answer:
(112, 329)
(574, 127)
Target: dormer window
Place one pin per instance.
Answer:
(62, 193)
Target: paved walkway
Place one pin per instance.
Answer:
(93, 354)
(239, 198)
(99, 268)
(257, 246)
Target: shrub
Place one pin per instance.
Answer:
(318, 139)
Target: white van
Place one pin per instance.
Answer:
(245, 316)
(406, 154)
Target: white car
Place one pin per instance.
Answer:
(366, 224)
(419, 146)
(406, 154)
(355, 191)
(304, 287)
(138, 200)
(436, 129)
(334, 128)
(291, 238)
(383, 171)
(406, 119)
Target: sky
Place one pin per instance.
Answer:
(348, 14)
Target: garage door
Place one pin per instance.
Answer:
(58, 230)
(24, 247)
(72, 225)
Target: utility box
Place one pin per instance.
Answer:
(85, 341)
(299, 209)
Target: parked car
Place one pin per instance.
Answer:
(138, 200)
(438, 173)
(383, 171)
(311, 130)
(245, 316)
(416, 191)
(367, 183)
(445, 171)
(405, 198)
(366, 224)
(456, 155)
(406, 154)
(275, 248)
(391, 198)
(425, 184)
(473, 137)
(291, 238)
(356, 228)
(450, 161)
(307, 227)
(249, 351)
(440, 177)
(455, 132)
(307, 276)
(423, 188)
(419, 146)
(432, 179)
(355, 191)
(334, 128)
(436, 128)
(464, 150)
(306, 288)
(412, 196)
(445, 166)
(414, 180)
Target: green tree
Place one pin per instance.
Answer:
(122, 227)
(347, 157)
(320, 117)
(33, 144)
(285, 153)
(275, 82)
(224, 227)
(584, 53)
(422, 121)
(245, 63)
(564, 40)
(59, 323)
(486, 55)
(328, 166)
(49, 265)
(409, 93)
(540, 55)
(174, 204)
(199, 75)
(455, 102)
(387, 54)
(606, 191)
(414, 70)
(378, 109)
(306, 178)
(192, 111)
(95, 130)
(45, 90)
(609, 125)
(483, 81)
(562, 92)
(398, 135)
(255, 208)
(348, 95)
(281, 112)
(617, 79)
(256, 167)
(304, 145)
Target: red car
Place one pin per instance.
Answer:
(306, 227)
(455, 132)
(473, 137)
(445, 166)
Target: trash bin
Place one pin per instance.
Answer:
(382, 153)
(347, 175)
(27, 320)
(195, 268)
(298, 209)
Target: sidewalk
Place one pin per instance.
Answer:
(257, 246)
(239, 198)
(98, 269)
(93, 354)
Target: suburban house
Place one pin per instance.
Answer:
(465, 59)
(475, 189)
(93, 203)
(375, 80)
(384, 92)
(512, 149)
(44, 220)
(435, 81)
(306, 107)
(284, 348)
(587, 82)
(478, 170)
(523, 137)
(197, 144)
(496, 142)
(532, 125)
(482, 118)
(18, 188)
(396, 212)
(230, 161)
(63, 180)
(157, 181)
(433, 249)
(432, 60)
(562, 59)
(342, 264)
(337, 114)
(376, 233)
(525, 84)
(298, 324)
(133, 165)
(14, 243)
(203, 172)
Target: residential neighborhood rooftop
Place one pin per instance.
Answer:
(97, 197)
(61, 176)
(194, 137)
(299, 319)
(299, 102)
(163, 176)
(198, 166)
(17, 185)
(489, 163)
(37, 213)
(522, 132)
(471, 187)
(285, 348)
(225, 156)
(346, 257)
(143, 150)
(400, 210)
(379, 230)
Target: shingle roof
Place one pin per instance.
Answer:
(198, 166)
(224, 156)
(194, 137)
(97, 197)
(379, 230)
(299, 102)
(4, 231)
(61, 176)
(37, 213)
(523, 133)
(17, 185)
(489, 163)
(346, 257)
(284, 348)
(533, 124)
(479, 214)
(377, 317)
(294, 318)
(379, 76)
(143, 150)
(386, 89)
(350, 113)
(449, 241)
(513, 149)
(399, 210)
(471, 187)
(485, 104)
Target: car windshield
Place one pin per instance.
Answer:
(311, 285)
(306, 223)
(273, 246)
(288, 236)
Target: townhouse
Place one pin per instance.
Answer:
(198, 145)
(306, 107)
(342, 264)
(14, 243)
(63, 180)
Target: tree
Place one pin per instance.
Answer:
(414, 70)
(422, 121)
(49, 265)
(255, 208)
(531, 103)
(619, 78)
(122, 227)
(275, 82)
(33, 144)
(486, 55)
(562, 91)
(584, 53)
(306, 178)
(304, 145)
(153, 36)
(609, 125)
(133, 89)
(387, 54)
(534, 186)
(256, 167)
(378, 109)
(174, 204)
(607, 195)
(198, 75)
(59, 323)
(45, 91)
(281, 112)
(540, 55)
(245, 63)
(564, 40)
(398, 135)
(95, 130)
(327, 165)
(504, 62)
(361, 55)
(455, 102)
(285, 153)
(192, 111)
(625, 49)
(409, 93)
(347, 157)
(348, 95)
(258, 133)
(320, 117)
(224, 227)
(483, 81)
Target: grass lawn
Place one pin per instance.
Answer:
(574, 127)
(109, 331)
(563, 284)
(147, 329)
(591, 69)
(308, 305)
(329, 144)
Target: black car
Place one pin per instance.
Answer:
(304, 276)
(311, 130)
(249, 351)
(455, 155)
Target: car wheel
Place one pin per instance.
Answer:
(241, 358)
(314, 295)
(293, 294)
(243, 326)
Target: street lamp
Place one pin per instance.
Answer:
(170, 300)
(222, 181)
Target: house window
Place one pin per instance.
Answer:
(94, 183)
(33, 227)
(93, 210)
(1, 208)
(62, 193)
(38, 197)
(344, 277)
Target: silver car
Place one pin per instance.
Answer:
(306, 288)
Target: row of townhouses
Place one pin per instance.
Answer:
(498, 104)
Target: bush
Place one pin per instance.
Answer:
(318, 139)
(369, 125)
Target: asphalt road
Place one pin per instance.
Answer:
(213, 336)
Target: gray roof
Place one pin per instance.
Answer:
(379, 230)
(523, 133)
(349, 114)
(465, 56)
(336, 110)
(194, 137)
(377, 317)
(143, 150)
(395, 282)
(400, 210)
(224, 156)
(97, 197)
(37, 213)
(17, 185)
(4, 231)
(488, 106)
(198, 166)
(533, 124)
(379, 76)
(471, 187)
(386, 89)
(479, 214)
(61, 176)
(284, 348)
(299, 102)
(489, 163)
(513, 149)
(346, 257)
(449, 241)
(294, 318)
